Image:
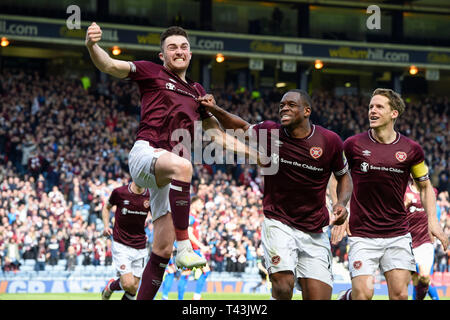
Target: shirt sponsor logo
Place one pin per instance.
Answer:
(170, 86)
(126, 211)
(364, 167)
(401, 156)
(316, 152)
(301, 165)
(413, 209)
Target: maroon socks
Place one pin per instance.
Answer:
(152, 277)
(180, 202)
(421, 290)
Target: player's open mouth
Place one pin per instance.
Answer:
(179, 59)
(374, 118)
(285, 117)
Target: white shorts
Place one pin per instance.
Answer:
(424, 255)
(141, 162)
(307, 255)
(128, 260)
(365, 255)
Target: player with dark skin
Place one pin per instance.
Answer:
(284, 222)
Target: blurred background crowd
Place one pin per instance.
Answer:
(64, 148)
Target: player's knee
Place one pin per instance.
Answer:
(282, 287)
(129, 285)
(362, 294)
(182, 168)
(399, 295)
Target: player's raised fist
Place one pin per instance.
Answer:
(93, 34)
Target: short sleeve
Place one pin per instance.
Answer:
(140, 70)
(339, 162)
(348, 145)
(113, 198)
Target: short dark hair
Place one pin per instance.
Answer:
(172, 31)
(306, 98)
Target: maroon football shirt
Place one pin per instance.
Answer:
(167, 103)
(417, 218)
(295, 195)
(131, 211)
(380, 174)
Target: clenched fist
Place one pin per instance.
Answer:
(93, 34)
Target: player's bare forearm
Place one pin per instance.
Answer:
(100, 58)
(229, 120)
(332, 185)
(428, 199)
(117, 68)
(230, 143)
(344, 188)
(105, 215)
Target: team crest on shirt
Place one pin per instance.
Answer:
(401, 156)
(316, 152)
(170, 86)
(146, 204)
(276, 260)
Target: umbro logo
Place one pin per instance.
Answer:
(366, 153)
(172, 80)
(126, 202)
(181, 203)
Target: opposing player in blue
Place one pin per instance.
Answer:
(200, 274)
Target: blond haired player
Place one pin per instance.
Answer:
(381, 161)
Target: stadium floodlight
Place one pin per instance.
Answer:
(318, 64)
(413, 70)
(116, 50)
(281, 84)
(220, 58)
(4, 42)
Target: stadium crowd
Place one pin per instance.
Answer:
(64, 148)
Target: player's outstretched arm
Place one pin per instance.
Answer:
(230, 143)
(226, 119)
(101, 59)
(428, 199)
(107, 231)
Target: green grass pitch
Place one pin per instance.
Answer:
(172, 296)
